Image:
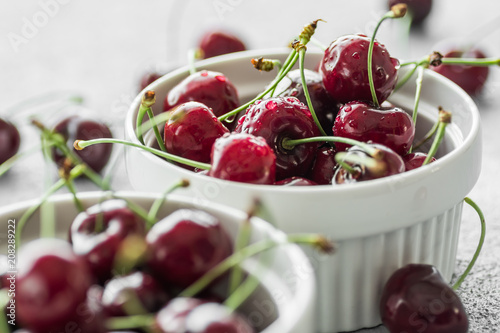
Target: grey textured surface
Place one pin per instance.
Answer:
(99, 49)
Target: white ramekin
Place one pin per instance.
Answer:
(286, 303)
(378, 225)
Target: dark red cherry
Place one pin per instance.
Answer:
(415, 160)
(296, 181)
(172, 317)
(192, 131)
(417, 299)
(98, 233)
(52, 281)
(469, 78)
(149, 78)
(132, 294)
(9, 140)
(214, 43)
(344, 68)
(216, 318)
(388, 163)
(185, 245)
(388, 126)
(418, 9)
(208, 87)
(78, 128)
(278, 118)
(242, 157)
(323, 167)
(325, 107)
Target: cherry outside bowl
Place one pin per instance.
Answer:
(285, 301)
(379, 225)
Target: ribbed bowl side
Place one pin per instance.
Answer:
(352, 279)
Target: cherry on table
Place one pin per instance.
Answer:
(218, 42)
(243, 157)
(80, 128)
(98, 233)
(9, 140)
(344, 69)
(417, 299)
(279, 118)
(418, 9)
(185, 245)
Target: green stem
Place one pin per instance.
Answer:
(155, 207)
(471, 61)
(367, 161)
(5, 166)
(70, 184)
(290, 143)
(285, 65)
(130, 322)
(441, 130)
(242, 240)
(418, 92)
(479, 246)
(316, 42)
(429, 135)
(302, 53)
(192, 56)
(159, 139)
(81, 144)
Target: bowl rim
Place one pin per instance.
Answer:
(304, 297)
(405, 177)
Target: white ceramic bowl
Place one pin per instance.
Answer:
(284, 304)
(379, 225)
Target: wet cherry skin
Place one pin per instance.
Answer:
(389, 126)
(344, 69)
(185, 245)
(417, 299)
(418, 9)
(98, 233)
(242, 157)
(218, 42)
(469, 78)
(10, 140)
(79, 128)
(415, 160)
(192, 130)
(323, 168)
(172, 317)
(278, 118)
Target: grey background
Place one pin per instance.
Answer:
(99, 49)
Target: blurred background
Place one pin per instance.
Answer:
(57, 51)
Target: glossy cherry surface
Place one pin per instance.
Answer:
(216, 318)
(78, 128)
(98, 233)
(9, 140)
(218, 42)
(323, 167)
(415, 160)
(418, 9)
(172, 317)
(208, 87)
(344, 69)
(388, 163)
(389, 126)
(132, 294)
(296, 181)
(278, 118)
(325, 107)
(417, 299)
(243, 157)
(185, 245)
(192, 131)
(469, 78)
(52, 282)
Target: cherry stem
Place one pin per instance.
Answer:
(148, 100)
(285, 65)
(155, 207)
(471, 203)
(5, 166)
(444, 120)
(319, 44)
(70, 184)
(130, 322)
(193, 55)
(82, 144)
(302, 53)
(418, 92)
(471, 61)
(364, 160)
(236, 258)
(289, 144)
(427, 136)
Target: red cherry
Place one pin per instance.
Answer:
(325, 107)
(242, 157)
(208, 87)
(52, 282)
(216, 318)
(149, 78)
(278, 118)
(192, 131)
(344, 68)
(418, 9)
(98, 233)
(388, 163)
(215, 43)
(295, 181)
(417, 299)
(388, 126)
(469, 78)
(9, 140)
(415, 160)
(324, 166)
(185, 245)
(172, 318)
(77, 128)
